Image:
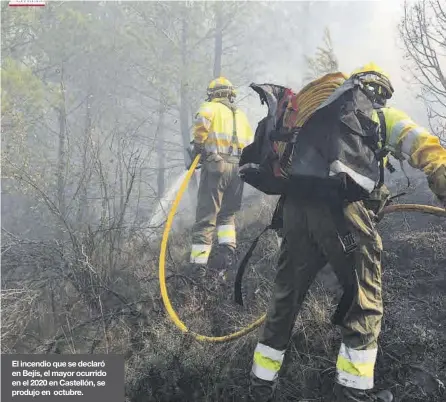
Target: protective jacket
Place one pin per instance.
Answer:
(213, 128)
(221, 131)
(311, 239)
(423, 151)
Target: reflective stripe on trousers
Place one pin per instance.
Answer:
(267, 362)
(200, 253)
(354, 368)
(219, 199)
(307, 223)
(226, 234)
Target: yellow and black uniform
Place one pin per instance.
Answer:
(310, 240)
(221, 131)
(422, 150)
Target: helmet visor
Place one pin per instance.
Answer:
(377, 82)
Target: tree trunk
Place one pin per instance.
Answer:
(304, 34)
(184, 101)
(61, 163)
(184, 117)
(218, 40)
(121, 181)
(61, 160)
(86, 172)
(161, 183)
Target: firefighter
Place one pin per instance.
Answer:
(221, 131)
(311, 240)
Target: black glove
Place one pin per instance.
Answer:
(196, 149)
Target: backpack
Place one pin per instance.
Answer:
(323, 145)
(261, 162)
(323, 139)
(337, 152)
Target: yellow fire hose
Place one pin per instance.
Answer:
(238, 334)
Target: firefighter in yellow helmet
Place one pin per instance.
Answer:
(310, 240)
(221, 131)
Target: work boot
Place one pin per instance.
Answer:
(224, 263)
(345, 394)
(224, 258)
(196, 272)
(261, 390)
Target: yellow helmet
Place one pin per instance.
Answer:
(376, 79)
(221, 88)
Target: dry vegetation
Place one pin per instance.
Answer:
(84, 177)
(56, 302)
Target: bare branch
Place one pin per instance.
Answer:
(422, 30)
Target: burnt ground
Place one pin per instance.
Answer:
(414, 333)
(163, 365)
(411, 360)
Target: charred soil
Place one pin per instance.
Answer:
(165, 366)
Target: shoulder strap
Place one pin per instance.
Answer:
(276, 223)
(382, 126)
(383, 134)
(242, 267)
(234, 139)
(383, 138)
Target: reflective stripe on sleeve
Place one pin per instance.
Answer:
(404, 135)
(397, 129)
(410, 138)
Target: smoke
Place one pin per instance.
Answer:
(361, 31)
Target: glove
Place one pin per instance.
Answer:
(196, 149)
(437, 183)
